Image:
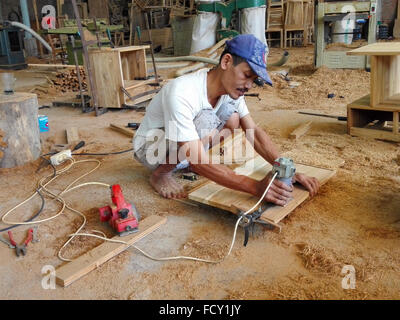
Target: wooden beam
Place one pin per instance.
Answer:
(125, 131)
(72, 135)
(301, 130)
(91, 260)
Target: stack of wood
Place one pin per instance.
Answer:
(68, 80)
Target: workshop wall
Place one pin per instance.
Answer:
(388, 10)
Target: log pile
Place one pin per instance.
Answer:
(68, 81)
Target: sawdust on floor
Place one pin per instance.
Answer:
(354, 220)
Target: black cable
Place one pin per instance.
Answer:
(101, 154)
(30, 219)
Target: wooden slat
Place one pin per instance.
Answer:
(72, 135)
(374, 134)
(72, 271)
(364, 103)
(301, 130)
(377, 49)
(125, 131)
(257, 168)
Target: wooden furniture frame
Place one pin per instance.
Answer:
(275, 21)
(383, 104)
(294, 22)
(119, 69)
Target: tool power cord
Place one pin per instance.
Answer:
(43, 187)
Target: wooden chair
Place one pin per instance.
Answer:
(275, 21)
(308, 20)
(294, 22)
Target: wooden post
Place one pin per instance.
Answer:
(37, 26)
(19, 129)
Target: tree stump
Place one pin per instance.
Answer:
(19, 129)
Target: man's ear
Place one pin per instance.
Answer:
(226, 61)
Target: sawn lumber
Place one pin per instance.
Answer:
(72, 271)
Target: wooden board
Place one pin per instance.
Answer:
(162, 37)
(300, 130)
(257, 168)
(125, 131)
(72, 135)
(72, 271)
(107, 77)
(378, 49)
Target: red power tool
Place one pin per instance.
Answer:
(122, 216)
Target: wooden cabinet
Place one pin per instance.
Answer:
(117, 70)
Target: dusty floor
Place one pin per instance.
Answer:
(354, 220)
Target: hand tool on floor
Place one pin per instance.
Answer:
(122, 216)
(7, 242)
(340, 118)
(133, 125)
(21, 249)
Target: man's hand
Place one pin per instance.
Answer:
(279, 192)
(310, 183)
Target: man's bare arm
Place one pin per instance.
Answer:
(267, 149)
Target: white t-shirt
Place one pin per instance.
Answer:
(180, 101)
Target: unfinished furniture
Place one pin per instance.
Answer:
(120, 76)
(369, 115)
(294, 28)
(330, 12)
(308, 20)
(236, 202)
(275, 21)
(19, 129)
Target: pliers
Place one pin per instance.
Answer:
(21, 249)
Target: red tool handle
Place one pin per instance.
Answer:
(29, 239)
(11, 238)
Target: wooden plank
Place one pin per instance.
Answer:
(107, 76)
(257, 168)
(364, 103)
(72, 135)
(72, 271)
(377, 49)
(395, 122)
(160, 37)
(374, 134)
(301, 130)
(98, 9)
(131, 48)
(133, 84)
(125, 131)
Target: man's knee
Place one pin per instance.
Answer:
(233, 122)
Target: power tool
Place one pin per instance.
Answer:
(122, 216)
(285, 169)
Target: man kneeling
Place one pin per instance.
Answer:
(188, 112)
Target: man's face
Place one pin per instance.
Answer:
(236, 80)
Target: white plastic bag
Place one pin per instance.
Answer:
(204, 33)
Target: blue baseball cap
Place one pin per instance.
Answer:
(253, 51)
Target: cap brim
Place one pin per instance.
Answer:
(261, 72)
